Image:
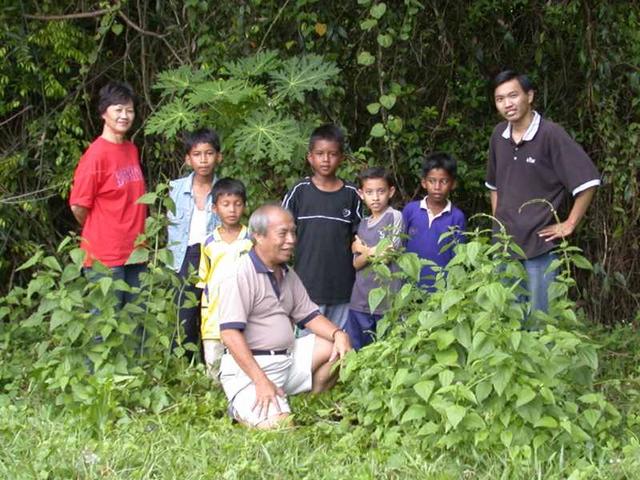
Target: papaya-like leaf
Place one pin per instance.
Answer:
(172, 118)
(300, 75)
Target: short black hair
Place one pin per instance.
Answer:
(115, 93)
(439, 160)
(373, 173)
(228, 186)
(329, 132)
(508, 75)
(203, 135)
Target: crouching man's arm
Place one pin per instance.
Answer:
(324, 328)
(266, 390)
(330, 344)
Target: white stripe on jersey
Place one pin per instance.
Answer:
(287, 198)
(326, 218)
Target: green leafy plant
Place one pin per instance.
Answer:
(456, 369)
(259, 104)
(75, 345)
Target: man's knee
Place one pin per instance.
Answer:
(321, 353)
(281, 420)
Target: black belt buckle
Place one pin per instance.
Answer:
(264, 352)
(269, 352)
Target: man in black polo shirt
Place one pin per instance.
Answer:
(533, 158)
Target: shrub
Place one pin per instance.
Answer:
(455, 368)
(68, 340)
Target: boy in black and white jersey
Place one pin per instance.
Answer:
(327, 211)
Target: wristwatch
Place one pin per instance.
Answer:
(333, 335)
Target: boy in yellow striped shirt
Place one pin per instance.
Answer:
(219, 257)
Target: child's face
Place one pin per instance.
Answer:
(203, 159)
(325, 158)
(229, 208)
(376, 193)
(438, 184)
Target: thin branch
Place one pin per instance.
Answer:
(137, 28)
(275, 19)
(70, 16)
(8, 120)
(25, 197)
(152, 34)
(98, 13)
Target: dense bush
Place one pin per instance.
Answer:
(466, 368)
(75, 348)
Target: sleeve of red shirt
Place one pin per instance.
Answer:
(85, 181)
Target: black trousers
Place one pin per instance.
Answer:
(190, 316)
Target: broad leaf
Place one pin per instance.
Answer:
(232, 91)
(266, 135)
(414, 412)
(172, 118)
(501, 379)
(256, 65)
(455, 414)
(178, 81)
(450, 298)
(424, 389)
(299, 75)
(524, 396)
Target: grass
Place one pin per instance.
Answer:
(193, 439)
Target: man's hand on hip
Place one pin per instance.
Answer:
(558, 230)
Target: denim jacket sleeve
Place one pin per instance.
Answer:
(180, 221)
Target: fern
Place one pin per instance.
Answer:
(179, 81)
(232, 91)
(254, 66)
(302, 74)
(172, 118)
(267, 136)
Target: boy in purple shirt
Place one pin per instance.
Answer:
(427, 219)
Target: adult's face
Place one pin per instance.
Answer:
(512, 102)
(119, 118)
(277, 245)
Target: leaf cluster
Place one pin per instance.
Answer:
(464, 367)
(75, 345)
(259, 106)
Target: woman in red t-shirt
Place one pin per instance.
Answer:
(106, 185)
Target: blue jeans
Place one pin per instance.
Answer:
(129, 273)
(361, 328)
(538, 280)
(338, 314)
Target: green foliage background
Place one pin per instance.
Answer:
(401, 77)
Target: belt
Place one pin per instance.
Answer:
(265, 352)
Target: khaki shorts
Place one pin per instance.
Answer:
(291, 372)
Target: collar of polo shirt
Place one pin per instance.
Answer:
(260, 266)
(532, 129)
